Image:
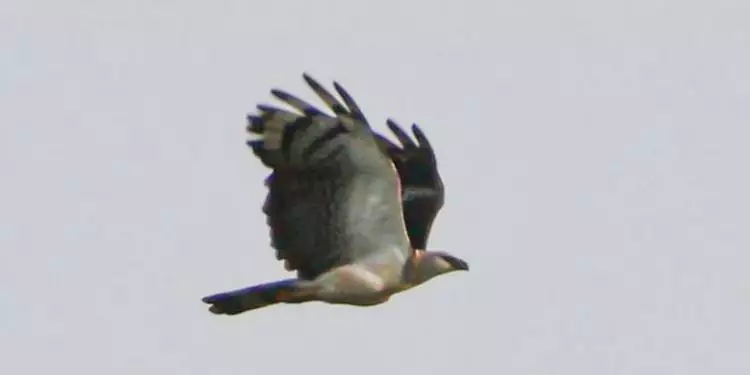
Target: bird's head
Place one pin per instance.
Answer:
(425, 265)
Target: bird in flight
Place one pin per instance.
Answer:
(347, 209)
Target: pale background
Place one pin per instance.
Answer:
(595, 155)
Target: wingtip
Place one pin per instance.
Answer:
(338, 86)
(281, 94)
(310, 80)
(255, 124)
(265, 108)
(391, 123)
(344, 94)
(419, 134)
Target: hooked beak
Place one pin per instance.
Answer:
(457, 264)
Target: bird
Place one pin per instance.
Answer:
(340, 205)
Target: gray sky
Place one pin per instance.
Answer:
(595, 155)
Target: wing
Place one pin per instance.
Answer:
(423, 193)
(333, 194)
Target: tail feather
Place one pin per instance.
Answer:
(250, 298)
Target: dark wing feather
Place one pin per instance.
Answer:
(333, 194)
(422, 188)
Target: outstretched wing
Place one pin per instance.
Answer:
(333, 194)
(422, 188)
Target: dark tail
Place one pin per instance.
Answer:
(251, 298)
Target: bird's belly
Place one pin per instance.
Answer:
(364, 297)
(354, 285)
(359, 300)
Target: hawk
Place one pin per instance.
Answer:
(347, 209)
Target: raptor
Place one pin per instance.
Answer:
(347, 209)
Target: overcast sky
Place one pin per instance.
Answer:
(595, 155)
